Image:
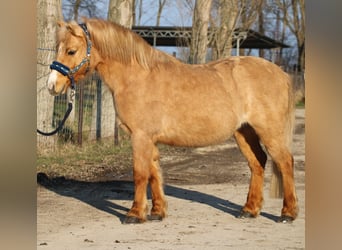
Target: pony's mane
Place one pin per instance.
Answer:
(116, 42)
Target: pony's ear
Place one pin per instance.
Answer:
(74, 29)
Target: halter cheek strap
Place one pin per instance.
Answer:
(84, 27)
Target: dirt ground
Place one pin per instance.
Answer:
(206, 189)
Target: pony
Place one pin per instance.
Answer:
(159, 99)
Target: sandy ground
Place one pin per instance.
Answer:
(202, 211)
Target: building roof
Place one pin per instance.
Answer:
(174, 36)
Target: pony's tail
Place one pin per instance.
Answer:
(276, 189)
(276, 186)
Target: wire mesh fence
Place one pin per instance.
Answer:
(92, 117)
(298, 80)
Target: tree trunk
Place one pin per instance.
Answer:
(301, 55)
(261, 26)
(120, 12)
(48, 13)
(76, 7)
(160, 10)
(295, 21)
(199, 38)
(140, 12)
(228, 14)
(301, 35)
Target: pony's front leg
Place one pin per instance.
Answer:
(158, 211)
(142, 155)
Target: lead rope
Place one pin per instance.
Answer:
(67, 113)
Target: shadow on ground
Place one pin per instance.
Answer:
(102, 195)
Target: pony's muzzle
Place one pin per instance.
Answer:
(53, 87)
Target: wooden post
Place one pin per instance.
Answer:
(80, 114)
(98, 107)
(116, 133)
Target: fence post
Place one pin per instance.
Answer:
(98, 107)
(116, 128)
(116, 132)
(80, 113)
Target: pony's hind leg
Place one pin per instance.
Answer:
(278, 146)
(283, 159)
(249, 145)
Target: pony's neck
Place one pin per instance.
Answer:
(116, 43)
(118, 76)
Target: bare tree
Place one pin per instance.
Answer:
(161, 4)
(228, 15)
(73, 9)
(199, 37)
(250, 11)
(138, 11)
(76, 7)
(294, 18)
(280, 34)
(121, 11)
(48, 13)
(261, 27)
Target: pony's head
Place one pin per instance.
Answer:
(73, 57)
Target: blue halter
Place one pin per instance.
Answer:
(65, 70)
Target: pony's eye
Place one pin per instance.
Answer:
(71, 52)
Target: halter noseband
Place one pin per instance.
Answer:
(65, 70)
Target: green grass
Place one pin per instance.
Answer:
(86, 162)
(300, 104)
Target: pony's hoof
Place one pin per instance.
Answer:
(132, 220)
(285, 219)
(245, 214)
(155, 217)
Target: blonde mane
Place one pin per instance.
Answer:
(116, 42)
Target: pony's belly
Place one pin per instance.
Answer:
(188, 141)
(197, 136)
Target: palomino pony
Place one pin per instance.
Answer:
(159, 99)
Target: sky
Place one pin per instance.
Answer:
(171, 16)
(175, 13)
